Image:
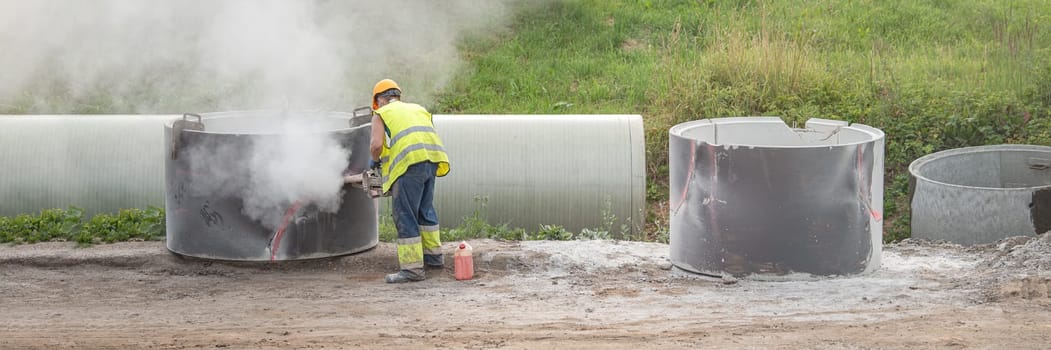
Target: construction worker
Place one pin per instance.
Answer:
(409, 153)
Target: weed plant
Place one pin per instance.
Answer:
(61, 225)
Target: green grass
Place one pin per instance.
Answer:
(933, 75)
(60, 225)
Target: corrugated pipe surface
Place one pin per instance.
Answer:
(100, 163)
(577, 171)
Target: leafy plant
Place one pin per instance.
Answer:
(476, 226)
(609, 221)
(593, 234)
(68, 225)
(49, 225)
(126, 225)
(551, 233)
(58, 224)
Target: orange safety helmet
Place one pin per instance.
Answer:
(381, 86)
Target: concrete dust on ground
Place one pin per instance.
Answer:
(526, 295)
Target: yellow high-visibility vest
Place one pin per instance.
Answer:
(412, 140)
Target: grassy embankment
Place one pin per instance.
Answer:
(932, 75)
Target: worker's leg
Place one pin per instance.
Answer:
(428, 219)
(405, 203)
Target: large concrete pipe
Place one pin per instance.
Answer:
(977, 195)
(571, 170)
(100, 163)
(753, 197)
(267, 185)
(577, 171)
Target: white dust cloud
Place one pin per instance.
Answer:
(150, 56)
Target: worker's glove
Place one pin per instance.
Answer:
(374, 164)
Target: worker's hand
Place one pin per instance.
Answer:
(374, 164)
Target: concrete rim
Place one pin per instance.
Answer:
(249, 114)
(680, 129)
(916, 167)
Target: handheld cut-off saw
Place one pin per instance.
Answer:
(369, 180)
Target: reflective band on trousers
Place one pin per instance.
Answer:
(432, 242)
(410, 253)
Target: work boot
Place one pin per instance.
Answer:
(405, 276)
(434, 261)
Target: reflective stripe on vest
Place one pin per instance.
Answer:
(384, 160)
(420, 128)
(413, 140)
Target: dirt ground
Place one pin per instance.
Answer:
(527, 295)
